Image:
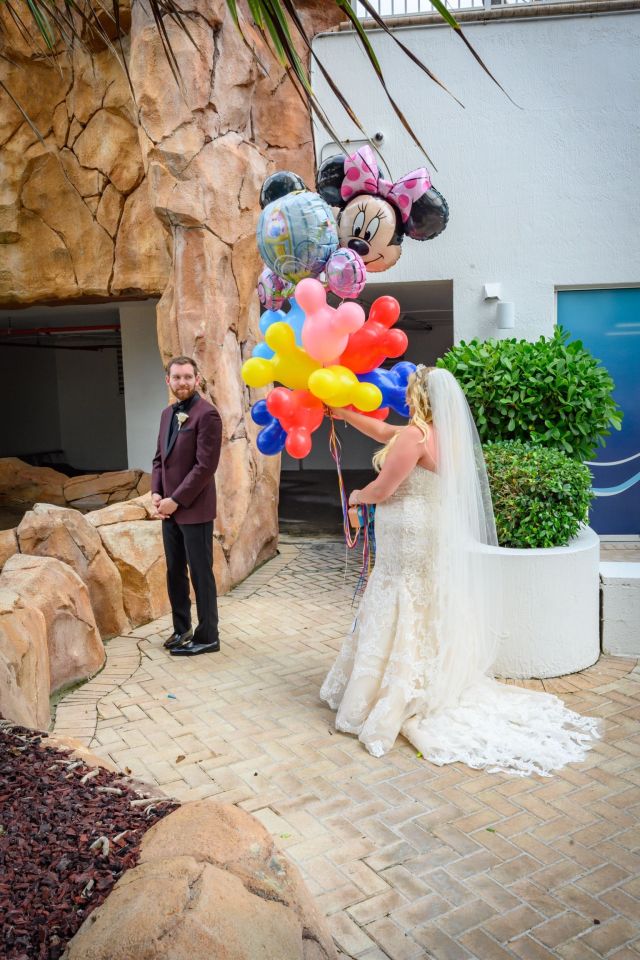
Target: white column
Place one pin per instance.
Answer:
(145, 390)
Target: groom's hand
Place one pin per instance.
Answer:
(166, 507)
(155, 502)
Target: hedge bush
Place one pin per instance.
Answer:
(540, 496)
(549, 392)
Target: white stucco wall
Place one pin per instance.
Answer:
(541, 197)
(145, 390)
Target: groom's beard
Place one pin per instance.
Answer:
(183, 393)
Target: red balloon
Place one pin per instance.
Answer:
(374, 342)
(299, 413)
(380, 414)
(298, 443)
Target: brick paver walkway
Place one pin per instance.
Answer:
(408, 860)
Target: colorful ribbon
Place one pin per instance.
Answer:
(367, 528)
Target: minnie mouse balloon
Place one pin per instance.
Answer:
(346, 273)
(376, 214)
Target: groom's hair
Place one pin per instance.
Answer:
(180, 361)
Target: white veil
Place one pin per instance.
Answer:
(466, 714)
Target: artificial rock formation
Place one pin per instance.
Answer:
(75, 648)
(210, 884)
(135, 547)
(8, 545)
(23, 485)
(75, 219)
(160, 197)
(67, 535)
(207, 153)
(24, 662)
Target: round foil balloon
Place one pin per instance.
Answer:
(346, 273)
(296, 235)
(272, 289)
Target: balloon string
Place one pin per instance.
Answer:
(368, 531)
(336, 452)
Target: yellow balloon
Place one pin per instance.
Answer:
(257, 372)
(290, 364)
(338, 386)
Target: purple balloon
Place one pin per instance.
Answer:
(273, 290)
(346, 273)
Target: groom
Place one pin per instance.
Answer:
(183, 493)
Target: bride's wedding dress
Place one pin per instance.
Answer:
(418, 659)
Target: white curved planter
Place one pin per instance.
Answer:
(549, 608)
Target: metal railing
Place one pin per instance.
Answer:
(400, 8)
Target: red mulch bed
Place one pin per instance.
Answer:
(63, 842)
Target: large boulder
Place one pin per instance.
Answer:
(75, 648)
(117, 513)
(102, 487)
(22, 483)
(179, 909)
(210, 883)
(135, 546)
(65, 534)
(24, 662)
(8, 545)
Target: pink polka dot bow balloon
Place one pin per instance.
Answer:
(376, 214)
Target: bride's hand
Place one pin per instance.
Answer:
(354, 498)
(338, 413)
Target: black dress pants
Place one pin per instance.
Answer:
(191, 545)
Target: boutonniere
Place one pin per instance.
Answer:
(181, 418)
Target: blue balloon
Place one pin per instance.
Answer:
(263, 351)
(260, 413)
(392, 384)
(296, 235)
(272, 437)
(295, 318)
(267, 318)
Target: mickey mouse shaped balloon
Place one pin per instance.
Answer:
(375, 214)
(297, 236)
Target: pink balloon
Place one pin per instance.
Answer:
(325, 332)
(346, 273)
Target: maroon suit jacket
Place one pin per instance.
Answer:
(185, 470)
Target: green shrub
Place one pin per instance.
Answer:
(540, 496)
(549, 392)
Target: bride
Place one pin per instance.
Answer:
(418, 660)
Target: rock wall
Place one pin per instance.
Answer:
(160, 196)
(75, 217)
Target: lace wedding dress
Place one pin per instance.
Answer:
(418, 659)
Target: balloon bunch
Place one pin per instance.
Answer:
(314, 242)
(333, 358)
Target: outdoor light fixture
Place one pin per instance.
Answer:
(505, 309)
(505, 315)
(492, 291)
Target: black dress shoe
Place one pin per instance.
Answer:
(176, 639)
(191, 649)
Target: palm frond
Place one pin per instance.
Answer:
(52, 27)
(441, 8)
(271, 20)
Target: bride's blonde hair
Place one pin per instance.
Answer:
(419, 409)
